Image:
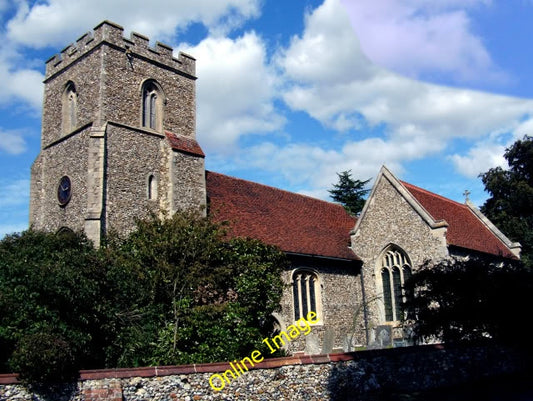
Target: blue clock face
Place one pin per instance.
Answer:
(64, 190)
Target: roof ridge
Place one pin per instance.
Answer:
(434, 194)
(279, 189)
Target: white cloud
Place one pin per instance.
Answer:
(20, 85)
(339, 81)
(479, 159)
(235, 90)
(314, 168)
(338, 86)
(525, 128)
(51, 21)
(314, 57)
(423, 39)
(18, 81)
(12, 142)
(489, 152)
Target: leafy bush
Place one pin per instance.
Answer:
(470, 300)
(44, 356)
(202, 297)
(48, 291)
(174, 291)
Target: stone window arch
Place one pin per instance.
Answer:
(395, 269)
(306, 291)
(70, 108)
(65, 231)
(151, 187)
(152, 105)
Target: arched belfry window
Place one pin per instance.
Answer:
(70, 107)
(306, 294)
(395, 270)
(152, 106)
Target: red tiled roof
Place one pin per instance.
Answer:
(184, 144)
(295, 223)
(465, 229)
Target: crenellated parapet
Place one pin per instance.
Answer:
(136, 46)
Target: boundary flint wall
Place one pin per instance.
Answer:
(319, 377)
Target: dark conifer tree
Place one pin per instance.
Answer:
(349, 192)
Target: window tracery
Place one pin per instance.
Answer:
(306, 294)
(395, 270)
(152, 106)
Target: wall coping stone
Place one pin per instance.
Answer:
(271, 363)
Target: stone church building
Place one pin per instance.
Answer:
(118, 141)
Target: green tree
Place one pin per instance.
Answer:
(206, 298)
(349, 192)
(49, 303)
(176, 290)
(510, 205)
(469, 300)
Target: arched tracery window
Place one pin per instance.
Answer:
(395, 270)
(306, 294)
(152, 105)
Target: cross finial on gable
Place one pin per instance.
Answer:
(466, 194)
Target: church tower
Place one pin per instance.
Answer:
(118, 135)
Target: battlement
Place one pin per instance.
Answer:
(111, 33)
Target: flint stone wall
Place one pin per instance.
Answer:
(390, 219)
(322, 377)
(340, 297)
(132, 156)
(67, 157)
(107, 153)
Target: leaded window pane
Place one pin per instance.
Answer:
(153, 98)
(146, 109)
(296, 297)
(387, 298)
(312, 294)
(303, 286)
(397, 282)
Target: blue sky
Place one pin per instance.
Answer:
(289, 93)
